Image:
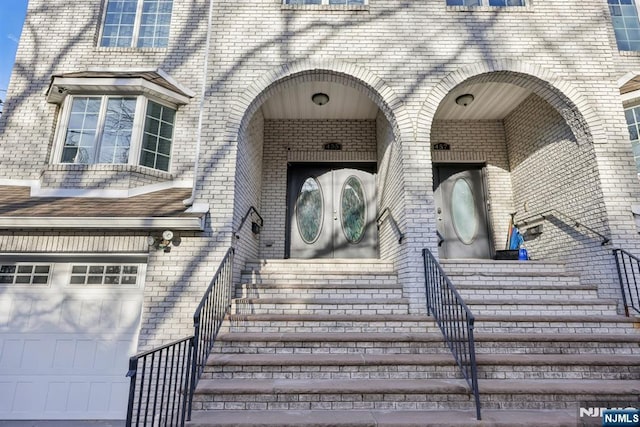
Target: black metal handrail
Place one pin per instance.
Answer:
(170, 373)
(454, 319)
(209, 315)
(629, 274)
(550, 212)
(244, 219)
(164, 378)
(382, 218)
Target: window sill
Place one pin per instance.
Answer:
(101, 176)
(630, 53)
(505, 9)
(131, 49)
(326, 7)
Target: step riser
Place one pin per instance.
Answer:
(370, 347)
(395, 372)
(395, 401)
(553, 328)
(514, 281)
(542, 310)
(511, 269)
(509, 294)
(320, 309)
(329, 327)
(284, 278)
(337, 293)
(319, 267)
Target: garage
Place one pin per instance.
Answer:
(67, 330)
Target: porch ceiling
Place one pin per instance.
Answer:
(492, 101)
(294, 102)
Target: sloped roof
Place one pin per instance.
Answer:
(18, 207)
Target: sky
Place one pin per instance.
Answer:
(12, 13)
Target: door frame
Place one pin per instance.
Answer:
(482, 167)
(371, 167)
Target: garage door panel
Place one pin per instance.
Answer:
(64, 349)
(59, 397)
(68, 355)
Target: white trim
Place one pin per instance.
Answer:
(628, 76)
(38, 191)
(63, 86)
(129, 223)
(630, 96)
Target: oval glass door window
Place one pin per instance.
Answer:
(309, 208)
(463, 211)
(352, 201)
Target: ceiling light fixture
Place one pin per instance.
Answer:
(320, 98)
(465, 99)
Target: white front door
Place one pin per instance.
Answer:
(66, 333)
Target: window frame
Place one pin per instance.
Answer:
(324, 3)
(137, 24)
(137, 131)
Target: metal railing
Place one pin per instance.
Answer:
(629, 275)
(255, 227)
(387, 215)
(166, 377)
(455, 320)
(557, 214)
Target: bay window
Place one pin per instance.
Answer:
(112, 129)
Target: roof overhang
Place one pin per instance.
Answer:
(155, 83)
(187, 223)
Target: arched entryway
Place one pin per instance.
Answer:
(319, 155)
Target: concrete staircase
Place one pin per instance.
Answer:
(332, 343)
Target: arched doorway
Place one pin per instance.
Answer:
(319, 153)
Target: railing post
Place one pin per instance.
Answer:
(194, 361)
(427, 273)
(474, 366)
(617, 254)
(133, 371)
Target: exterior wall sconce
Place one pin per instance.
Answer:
(464, 100)
(320, 98)
(164, 241)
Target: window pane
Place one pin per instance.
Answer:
(156, 16)
(158, 136)
(81, 131)
(624, 18)
(116, 138)
(119, 22)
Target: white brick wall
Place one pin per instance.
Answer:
(405, 55)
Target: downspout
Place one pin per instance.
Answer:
(205, 71)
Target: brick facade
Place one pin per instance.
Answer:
(580, 159)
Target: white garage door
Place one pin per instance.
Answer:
(66, 333)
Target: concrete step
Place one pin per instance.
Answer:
(543, 307)
(382, 418)
(323, 343)
(530, 291)
(538, 324)
(556, 343)
(353, 306)
(337, 289)
(326, 265)
(277, 323)
(491, 268)
(419, 343)
(419, 366)
(287, 394)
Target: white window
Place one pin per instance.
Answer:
(113, 129)
(347, 2)
(626, 25)
(24, 274)
(136, 23)
(494, 3)
(633, 124)
(104, 274)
